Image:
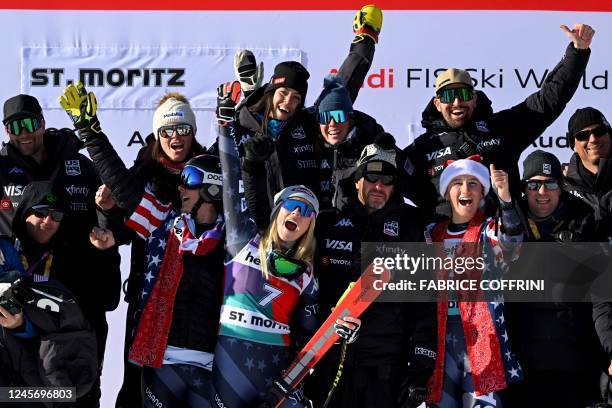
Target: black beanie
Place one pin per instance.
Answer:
(290, 74)
(582, 118)
(541, 163)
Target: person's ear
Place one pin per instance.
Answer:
(437, 103)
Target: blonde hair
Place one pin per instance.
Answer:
(270, 241)
(169, 95)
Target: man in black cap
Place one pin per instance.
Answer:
(589, 174)
(556, 343)
(375, 369)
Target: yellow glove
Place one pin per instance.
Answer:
(367, 23)
(81, 107)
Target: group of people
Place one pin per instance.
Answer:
(240, 251)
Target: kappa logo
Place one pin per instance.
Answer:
(391, 228)
(73, 167)
(482, 126)
(344, 222)
(546, 168)
(339, 245)
(16, 170)
(298, 133)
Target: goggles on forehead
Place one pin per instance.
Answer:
(448, 95)
(282, 266)
(168, 131)
(15, 127)
(534, 185)
(597, 131)
(306, 210)
(42, 211)
(339, 116)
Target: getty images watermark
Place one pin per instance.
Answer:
(533, 272)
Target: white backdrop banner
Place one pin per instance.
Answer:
(130, 58)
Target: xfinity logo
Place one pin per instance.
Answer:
(438, 153)
(488, 143)
(77, 190)
(339, 245)
(114, 77)
(303, 148)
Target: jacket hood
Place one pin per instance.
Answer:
(431, 118)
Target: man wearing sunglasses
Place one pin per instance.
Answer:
(555, 355)
(375, 366)
(460, 121)
(47, 251)
(589, 174)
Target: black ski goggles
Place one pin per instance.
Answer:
(449, 95)
(386, 179)
(339, 116)
(597, 131)
(15, 127)
(42, 211)
(282, 266)
(168, 131)
(534, 185)
(306, 210)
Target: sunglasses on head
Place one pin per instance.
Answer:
(385, 179)
(339, 116)
(168, 131)
(44, 211)
(449, 95)
(15, 127)
(597, 131)
(306, 210)
(534, 185)
(192, 177)
(285, 267)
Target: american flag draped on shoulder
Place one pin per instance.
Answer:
(169, 235)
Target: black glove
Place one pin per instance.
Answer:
(411, 396)
(258, 148)
(228, 95)
(385, 140)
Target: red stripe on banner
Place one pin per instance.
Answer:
(544, 5)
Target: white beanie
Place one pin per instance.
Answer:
(465, 167)
(298, 191)
(173, 112)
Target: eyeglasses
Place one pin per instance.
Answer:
(448, 95)
(385, 179)
(597, 131)
(15, 127)
(283, 266)
(44, 211)
(534, 185)
(168, 131)
(339, 116)
(306, 210)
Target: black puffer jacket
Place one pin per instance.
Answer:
(500, 137)
(593, 189)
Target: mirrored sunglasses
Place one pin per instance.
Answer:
(15, 127)
(449, 95)
(597, 131)
(339, 116)
(534, 185)
(306, 210)
(168, 131)
(192, 177)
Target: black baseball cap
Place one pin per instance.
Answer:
(21, 106)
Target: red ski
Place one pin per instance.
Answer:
(355, 300)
